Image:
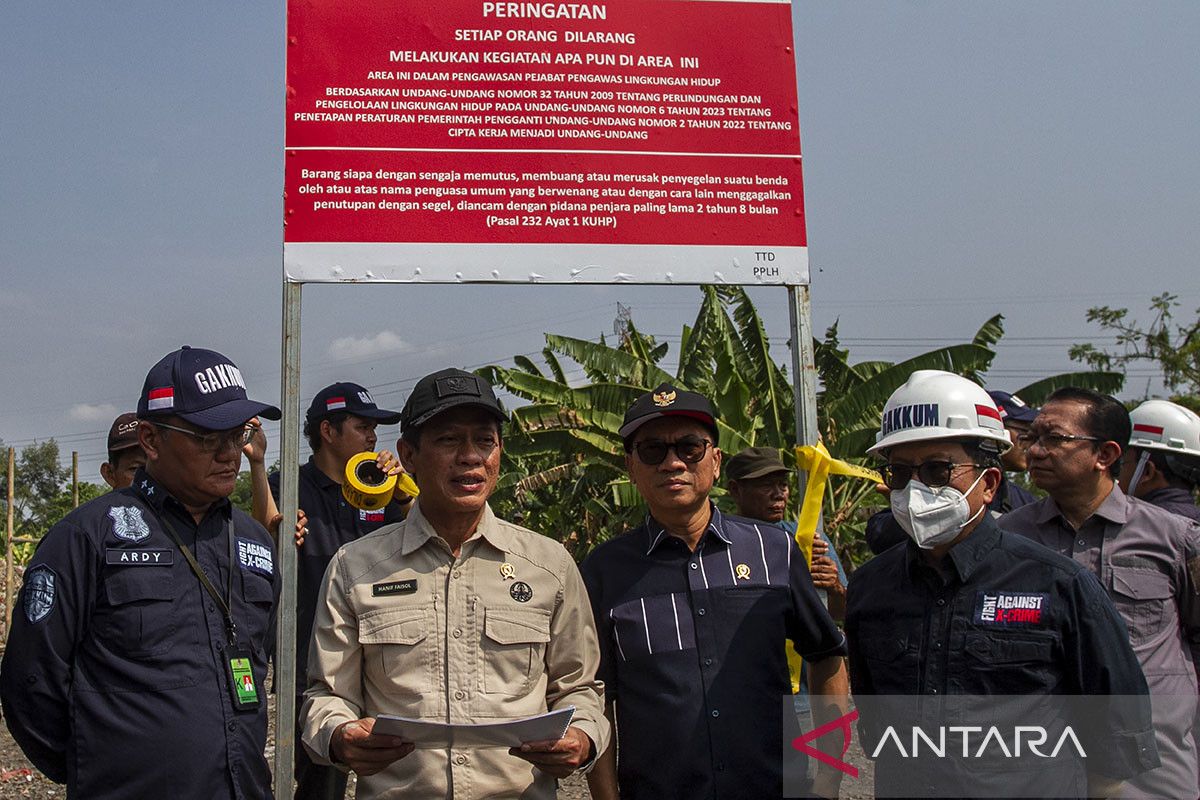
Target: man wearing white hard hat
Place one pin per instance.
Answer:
(1163, 462)
(1147, 559)
(966, 611)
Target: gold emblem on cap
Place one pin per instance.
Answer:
(742, 571)
(507, 571)
(663, 399)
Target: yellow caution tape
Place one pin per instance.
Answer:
(816, 461)
(365, 485)
(405, 483)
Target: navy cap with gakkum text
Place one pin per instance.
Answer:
(352, 399)
(202, 387)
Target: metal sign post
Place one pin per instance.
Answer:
(285, 632)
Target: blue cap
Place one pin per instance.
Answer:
(202, 387)
(1013, 408)
(352, 399)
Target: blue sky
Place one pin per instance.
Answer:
(961, 159)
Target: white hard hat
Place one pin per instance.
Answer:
(1163, 425)
(935, 405)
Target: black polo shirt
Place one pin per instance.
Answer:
(114, 679)
(1001, 616)
(332, 522)
(692, 649)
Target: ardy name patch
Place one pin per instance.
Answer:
(147, 557)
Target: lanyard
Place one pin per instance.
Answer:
(225, 602)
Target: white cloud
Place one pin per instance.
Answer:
(353, 347)
(93, 412)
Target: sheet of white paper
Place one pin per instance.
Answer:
(426, 733)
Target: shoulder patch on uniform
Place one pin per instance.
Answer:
(255, 557)
(128, 523)
(39, 593)
(1010, 608)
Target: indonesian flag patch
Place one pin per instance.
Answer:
(988, 416)
(163, 397)
(1149, 431)
(335, 403)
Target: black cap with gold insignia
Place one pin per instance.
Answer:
(667, 401)
(446, 389)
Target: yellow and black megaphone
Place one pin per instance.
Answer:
(366, 486)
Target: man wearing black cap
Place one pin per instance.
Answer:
(340, 424)
(452, 616)
(693, 609)
(125, 454)
(137, 656)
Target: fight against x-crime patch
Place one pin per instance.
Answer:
(1010, 608)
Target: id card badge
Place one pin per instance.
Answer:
(242, 686)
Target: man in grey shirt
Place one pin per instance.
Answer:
(1147, 559)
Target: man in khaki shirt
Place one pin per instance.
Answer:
(456, 616)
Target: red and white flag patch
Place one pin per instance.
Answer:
(161, 398)
(988, 416)
(334, 403)
(1155, 431)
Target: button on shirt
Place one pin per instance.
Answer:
(692, 652)
(114, 679)
(332, 522)
(1146, 559)
(913, 629)
(503, 631)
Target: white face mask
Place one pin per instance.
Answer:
(933, 516)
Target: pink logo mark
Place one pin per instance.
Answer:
(841, 723)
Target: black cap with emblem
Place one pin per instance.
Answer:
(446, 389)
(667, 401)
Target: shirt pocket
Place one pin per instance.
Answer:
(253, 628)
(1005, 650)
(1140, 596)
(396, 648)
(514, 649)
(142, 616)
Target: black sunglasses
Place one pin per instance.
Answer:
(932, 473)
(690, 449)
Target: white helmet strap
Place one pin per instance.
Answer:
(1138, 471)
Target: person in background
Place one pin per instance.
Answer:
(1165, 444)
(1146, 558)
(340, 423)
(1016, 415)
(125, 454)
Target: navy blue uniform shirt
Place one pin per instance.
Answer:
(114, 678)
(332, 522)
(692, 650)
(1177, 501)
(1003, 616)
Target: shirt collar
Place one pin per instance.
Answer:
(1114, 508)
(656, 533)
(966, 556)
(155, 495)
(418, 530)
(323, 480)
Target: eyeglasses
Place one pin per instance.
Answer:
(214, 441)
(932, 473)
(1050, 441)
(690, 449)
